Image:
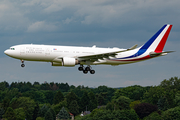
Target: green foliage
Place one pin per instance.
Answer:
(20, 114)
(48, 115)
(92, 101)
(171, 114)
(57, 107)
(4, 85)
(163, 104)
(134, 103)
(154, 94)
(177, 99)
(74, 108)
(39, 118)
(43, 110)
(36, 111)
(10, 115)
(1, 112)
(71, 96)
(23, 97)
(58, 97)
(122, 103)
(53, 113)
(84, 102)
(63, 114)
(124, 115)
(153, 116)
(27, 104)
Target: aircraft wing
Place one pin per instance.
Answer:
(95, 57)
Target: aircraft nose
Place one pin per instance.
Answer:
(6, 52)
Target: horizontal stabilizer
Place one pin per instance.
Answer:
(154, 54)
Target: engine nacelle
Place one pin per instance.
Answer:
(69, 62)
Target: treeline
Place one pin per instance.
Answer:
(50, 101)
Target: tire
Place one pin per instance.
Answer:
(85, 71)
(87, 68)
(80, 68)
(22, 65)
(92, 71)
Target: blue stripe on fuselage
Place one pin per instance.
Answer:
(146, 45)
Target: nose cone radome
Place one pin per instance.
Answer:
(6, 52)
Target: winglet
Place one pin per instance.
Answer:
(133, 47)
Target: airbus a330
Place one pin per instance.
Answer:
(69, 56)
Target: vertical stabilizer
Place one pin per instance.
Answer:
(157, 42)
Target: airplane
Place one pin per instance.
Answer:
(69, 56)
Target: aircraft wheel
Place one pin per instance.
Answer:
(85, 71)
(22, 65)
(80, 68)
(92, 71)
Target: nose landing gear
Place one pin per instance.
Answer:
(85, 70)
(22, 65)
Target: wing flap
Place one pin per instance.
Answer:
(95, 57)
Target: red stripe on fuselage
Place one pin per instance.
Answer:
(163, 41)
(137, 59)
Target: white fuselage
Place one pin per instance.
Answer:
(50, 53)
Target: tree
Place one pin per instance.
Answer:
(26, 103)
(35, 112)
(124, 115)
(58, 106)
(10, 115)
(163, 104)
(49, 95)
(70, 97)
(100, 99)
(63, 114)
(48, 115)
(92, 101)
(154, 94)
(177, 99)
(134, 103)
(133, 92)
(53, 113)
(58, 97)
(122, 103)
(74, 108)
(153, 116)
(84, 102)
(103, 115)
(4, 85)
(43, 110)
(144, 109)
(171, 114)
(1, 112)
(20, 114)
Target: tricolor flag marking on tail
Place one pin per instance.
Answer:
(155, 44)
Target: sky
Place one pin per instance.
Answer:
(104, 23)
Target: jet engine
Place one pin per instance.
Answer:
(69, 62)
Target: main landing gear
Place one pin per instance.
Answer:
(22, 65)
(86, 69)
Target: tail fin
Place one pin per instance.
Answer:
(157, 42)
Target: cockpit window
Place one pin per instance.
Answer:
(12, 48)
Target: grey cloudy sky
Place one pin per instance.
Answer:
(104, 23)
